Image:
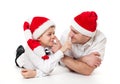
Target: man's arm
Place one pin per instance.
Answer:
(93, 59)
(77, 66)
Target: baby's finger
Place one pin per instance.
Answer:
(24, 70)
(56, 39)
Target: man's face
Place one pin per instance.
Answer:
(77, 37)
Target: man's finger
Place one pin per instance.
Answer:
(96, 53)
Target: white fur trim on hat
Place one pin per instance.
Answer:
(82, 30)
(28, 34)
(39, 31)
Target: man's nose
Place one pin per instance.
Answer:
(71, 34)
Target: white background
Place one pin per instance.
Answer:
(14, 12)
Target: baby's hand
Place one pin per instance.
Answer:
(56, 46)
(28, 73)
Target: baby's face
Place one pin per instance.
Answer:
(47, 38)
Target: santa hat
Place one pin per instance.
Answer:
(39, 25)
(34, 30)
(85, 23)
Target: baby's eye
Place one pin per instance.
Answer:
(49, 34)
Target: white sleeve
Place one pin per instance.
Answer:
(99, 45)
(44, 67)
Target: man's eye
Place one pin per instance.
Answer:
(74, 32)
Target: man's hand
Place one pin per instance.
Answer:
(92, 59)
(28, 73)
(77, 65)
(67, 45)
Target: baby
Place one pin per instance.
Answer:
(44, 50)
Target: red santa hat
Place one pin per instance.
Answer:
(39, 25)
(86, 23)
(34, 30)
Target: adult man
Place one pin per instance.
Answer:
(88, 44)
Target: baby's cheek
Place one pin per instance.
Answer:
(51, 43)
